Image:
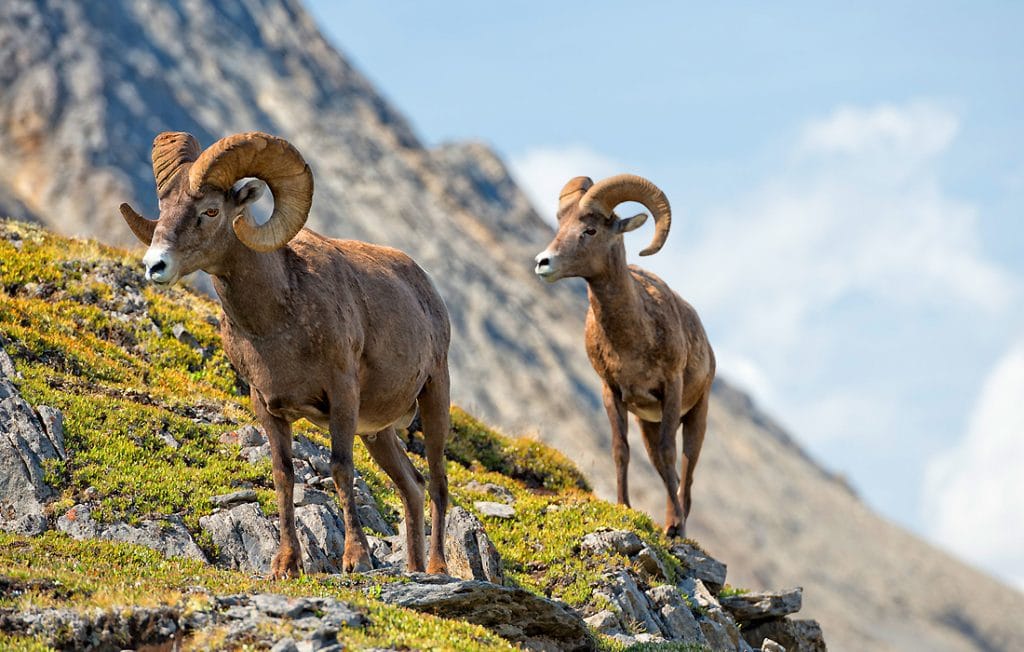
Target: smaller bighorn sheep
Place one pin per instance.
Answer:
(645, 342)
(348, 335)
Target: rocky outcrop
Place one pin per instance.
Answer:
(258, 620)
(638, 606)
(533, 622)
(468, 549)
(168, 535)
(30, 440)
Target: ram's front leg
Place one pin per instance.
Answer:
(288, 560)
(344, 415)
(620, 441)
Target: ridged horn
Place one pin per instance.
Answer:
(266, 157)
(605, 195)
(173, 152)
(571, 193)
(140, 226)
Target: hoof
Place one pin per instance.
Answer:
(285, 565)
(437, 567)
(356, 563)
(675, 531)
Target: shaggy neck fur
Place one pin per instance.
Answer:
(614, 300)
(254, 288)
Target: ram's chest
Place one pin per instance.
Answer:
(632, 378)
(284, 363)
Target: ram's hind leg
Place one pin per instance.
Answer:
(695, 424)
(344, 414)
(387, 451)
(434, 413)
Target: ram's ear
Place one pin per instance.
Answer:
(627, 224)
(249, 193)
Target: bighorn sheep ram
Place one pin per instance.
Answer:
(646, 343)
(349, 335)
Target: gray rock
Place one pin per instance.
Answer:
(496, 490)
(245, 436)
(717, 635)
(234, 498)
(255, 454)
(635, 610)
(286, 644)
(96, 629)
(764, 605)
(622, 542)
(53, 423)
(245, 538)
(651, 563)
(7, 368)
(793, 635)
(604, 621)
(27, 443)
(469, 551)
(678, 621)
(497, 510)
(167, 536)
(322, 536)
(314, 454)
(700, 565)
(515, 614)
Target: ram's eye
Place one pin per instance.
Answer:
(590, 230)
(211, 212)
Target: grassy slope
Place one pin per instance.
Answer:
(91, 338)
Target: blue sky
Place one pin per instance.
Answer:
(848, 189)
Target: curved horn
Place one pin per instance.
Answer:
(140, 226)
(173, 151)
(608, 193)
(271, 159)
(571, 193)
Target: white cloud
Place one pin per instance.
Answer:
(857, 214)
(915, 130)
(542, 171)
(974, 492)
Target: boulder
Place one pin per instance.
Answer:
(167, 536)
(793, 635)
(468, 549)
(246, 539)
(497, 510)
(700, 565)
(635, 610)
(621, 542)
(678, 621)
(234, 498)
(27, 443)
(530, 621)
(496, 490)
(762, 606)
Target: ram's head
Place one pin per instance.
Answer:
(203, 216)
(588, 227)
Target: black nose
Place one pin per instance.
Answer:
(544, 261)
(158, 267)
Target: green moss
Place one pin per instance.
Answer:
(474, 445)
(85, 574)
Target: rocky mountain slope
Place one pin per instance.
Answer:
(120, 422)
(85, 86)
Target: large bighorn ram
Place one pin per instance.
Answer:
(349, 335)
(645, 342)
